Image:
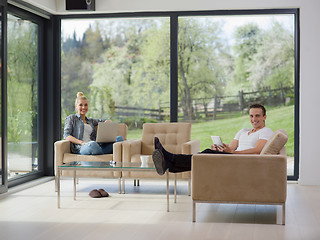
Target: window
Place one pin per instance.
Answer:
(122, 65)
(22, 97)
(221, 62)
(227, 63)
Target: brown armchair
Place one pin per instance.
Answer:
(64, 155)
(175, 137)
(239, 178)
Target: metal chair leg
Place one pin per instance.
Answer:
(284, 214)
(193, 211)
(175, 188)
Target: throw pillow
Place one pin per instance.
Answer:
(275, 143)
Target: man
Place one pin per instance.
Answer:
(246, 141)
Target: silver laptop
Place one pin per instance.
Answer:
(107, 132)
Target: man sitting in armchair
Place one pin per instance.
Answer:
(246, 141)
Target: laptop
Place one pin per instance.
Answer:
(107, 132)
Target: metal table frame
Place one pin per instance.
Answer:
(75, 169)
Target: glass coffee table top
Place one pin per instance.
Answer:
(110, 164)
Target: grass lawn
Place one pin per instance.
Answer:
(281, 117)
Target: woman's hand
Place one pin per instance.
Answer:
(107, 121)
(75, 140)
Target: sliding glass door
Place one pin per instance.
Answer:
(228, 62)
(22, 96)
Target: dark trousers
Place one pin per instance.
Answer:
(182, 162)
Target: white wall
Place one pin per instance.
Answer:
(309, 68)
(47, 5)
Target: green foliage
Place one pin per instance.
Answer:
(248, 39)
(22, 80)
(132, 72)
(200, 73)
(126, 62)
(273, 64)
(102, 105)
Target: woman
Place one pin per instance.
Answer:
(81, 131)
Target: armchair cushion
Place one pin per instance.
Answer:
(171, 135)
(175, 137)
(275, 143)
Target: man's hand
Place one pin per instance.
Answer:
(214, 147)
(217, 147)
(230, 148)
(107, 121)
(226, 148)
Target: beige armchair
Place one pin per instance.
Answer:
(63, 155)
(237, 178)
(175, 137)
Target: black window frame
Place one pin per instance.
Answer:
(3, 55)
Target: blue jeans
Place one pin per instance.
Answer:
(94, 148)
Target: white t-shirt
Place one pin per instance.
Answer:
(87, 132)
(247, 141)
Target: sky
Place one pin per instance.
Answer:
(231, 23)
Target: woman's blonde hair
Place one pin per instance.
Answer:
(80, 96)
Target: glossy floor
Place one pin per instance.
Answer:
(141, 214)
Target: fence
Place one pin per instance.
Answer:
(212, 108)
(138, 112)
(228, 106)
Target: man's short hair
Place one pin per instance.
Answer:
(257, 105)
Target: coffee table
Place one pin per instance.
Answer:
(104, 166)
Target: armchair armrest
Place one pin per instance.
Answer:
(191, 147)
(129, 148)
(60, 148)
(117, 151)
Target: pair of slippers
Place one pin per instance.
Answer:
(98, 193)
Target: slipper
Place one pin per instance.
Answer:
(95, 194)
(103, 193)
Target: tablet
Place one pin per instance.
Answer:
(216, 140)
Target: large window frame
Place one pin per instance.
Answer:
(174, 54)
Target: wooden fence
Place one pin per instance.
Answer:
(213, 108)
(138, 112)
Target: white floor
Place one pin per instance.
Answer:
(141, 214)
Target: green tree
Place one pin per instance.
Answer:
(273, 64)
(22, 80)
(248, 39)
(200, 74)
(92, 44)
(127, 72)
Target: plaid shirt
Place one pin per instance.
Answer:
(74, 126)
